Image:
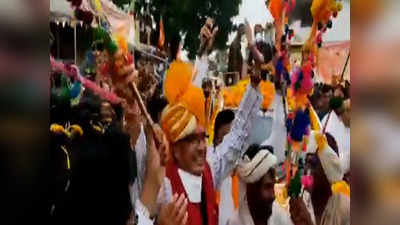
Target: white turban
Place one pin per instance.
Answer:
(330, 161)
(251, 171)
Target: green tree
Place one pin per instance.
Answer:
(121, 3)
(186, 17)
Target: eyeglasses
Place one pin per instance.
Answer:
(196, 138)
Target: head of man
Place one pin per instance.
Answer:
(183, 119)
(257, 171)
(326, 94)
(190, 152)
(107, 113)
(339, 91)
(314, 166)
(241, 30)
(258, 29)
(261, 193)
(222, 125)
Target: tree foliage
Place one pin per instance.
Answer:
(121, 3)
(186, 17)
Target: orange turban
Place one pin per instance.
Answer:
(186, 103)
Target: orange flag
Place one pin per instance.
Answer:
(161, 38)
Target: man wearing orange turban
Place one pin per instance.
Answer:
(190, 171)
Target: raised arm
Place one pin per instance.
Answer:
(226, 155)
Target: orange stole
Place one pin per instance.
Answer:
(235, 192)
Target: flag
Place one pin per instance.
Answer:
(161, 38)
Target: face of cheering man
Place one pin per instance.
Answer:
(261, 193)
(190, 152)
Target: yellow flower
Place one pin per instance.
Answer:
(77, 129)
(98, 6)
(267, 89)
(56, 128)
(341, 187)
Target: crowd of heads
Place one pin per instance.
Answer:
(102, 158)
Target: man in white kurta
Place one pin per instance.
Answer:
(222, 159)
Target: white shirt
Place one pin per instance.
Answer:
(226, 206)
(278, 135)
(201, 66)
(192, 184)
(226, 155)
(341, 133)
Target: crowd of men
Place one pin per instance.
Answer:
(112, 167)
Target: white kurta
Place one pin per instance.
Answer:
(223, 160)
(226, 207)
(281, 216)
(201, 66)
(278, 135)
(341, 133)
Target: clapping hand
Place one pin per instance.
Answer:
(175, 212)
(155, 166)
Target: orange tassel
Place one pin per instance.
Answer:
(235, 191)
(287, 170)
(218, 196)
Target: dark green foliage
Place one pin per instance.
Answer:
(187, 17)
(100, 35)
(121, 3)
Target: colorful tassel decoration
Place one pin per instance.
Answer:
(341, 187)
(75, 90)
(98, 6)
(267, 89)
(300, 124)
(307, 181)
(295, 186)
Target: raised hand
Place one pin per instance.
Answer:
(174, 213)
(124, 74)
(259, 58)
(155, 171)
(161, 144)
(210, 42)
(248, 32)
(207, 36)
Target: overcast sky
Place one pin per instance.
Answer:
(256, 12)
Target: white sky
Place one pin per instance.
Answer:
(256, 12)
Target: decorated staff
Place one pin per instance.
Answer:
(120, 66)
